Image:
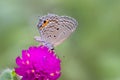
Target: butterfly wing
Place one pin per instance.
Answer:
(58, 29)
(67, 26)
(50, 32)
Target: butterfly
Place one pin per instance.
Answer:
(55, 29)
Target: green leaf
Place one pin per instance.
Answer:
(9, 74)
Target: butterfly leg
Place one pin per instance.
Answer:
(50, 46)
(38, 39)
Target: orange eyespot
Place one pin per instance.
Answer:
(44, 24)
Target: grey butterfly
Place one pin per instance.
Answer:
(55, 29)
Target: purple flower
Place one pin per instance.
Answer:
(38, 63)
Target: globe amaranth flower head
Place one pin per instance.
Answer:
(38, 63)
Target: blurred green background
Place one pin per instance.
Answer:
(92, 52)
